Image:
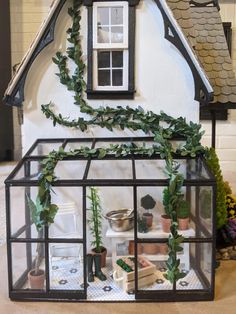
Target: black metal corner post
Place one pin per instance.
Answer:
(213, 264)
(9, 245)
(213, 129)
(27, 217)
(46, 250)
(85, 176)
(135, 230)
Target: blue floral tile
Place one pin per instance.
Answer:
(73, 270)
(107, 288)
(63, 282)
(184, 283)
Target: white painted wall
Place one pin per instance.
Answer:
(163, 79)
(226, 130)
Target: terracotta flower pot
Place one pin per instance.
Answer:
(163, 248)
(131, 247)
(149, 219)
(166, 223)
(183, 223)
(150, 248)
(103, 256)
(36, 281)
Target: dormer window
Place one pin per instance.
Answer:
(111, 26)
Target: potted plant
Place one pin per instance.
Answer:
(183, 215)
(36, 275)
(148, 203)
(165, 218)
(95, 224)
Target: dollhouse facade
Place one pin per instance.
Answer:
(136, 54)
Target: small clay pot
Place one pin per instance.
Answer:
(131, 247)
(166, 223)
(36, 281)
(163, 248)
(183, 223)
(103, 256)
(150, 248)
(149, 219)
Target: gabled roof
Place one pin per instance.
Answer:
(14, 94)
(210, 46)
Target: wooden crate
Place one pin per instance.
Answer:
(146, 275)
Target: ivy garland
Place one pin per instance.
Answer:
(163, 127)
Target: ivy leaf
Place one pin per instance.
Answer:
(102, 153)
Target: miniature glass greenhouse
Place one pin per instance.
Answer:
(136, 243)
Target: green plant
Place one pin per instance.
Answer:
(95, 222)
(221, 207)
(163, 127)
(147, 202)
(183, 210)
(142, 224)
(205, 203)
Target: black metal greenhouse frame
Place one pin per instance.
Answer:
(80, 295)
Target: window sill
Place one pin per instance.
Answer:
(93, 94)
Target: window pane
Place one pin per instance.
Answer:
(116, 15)
(103, 59)
(117, 34)
(103, 34)
(104, 78)
(117, 59)
(103, 16)
(117, 77)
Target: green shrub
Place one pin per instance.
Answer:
(221, 208)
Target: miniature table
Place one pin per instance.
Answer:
(155, 232)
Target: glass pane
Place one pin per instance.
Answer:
(103, 34)
(117, 77)
(21, 215)
(104, 59)
(104, 78)
(43, 149)
(103, 16)
(117, 59)
(116, 15)
(68, 220)
(117, 34)
(110, 169)
(66, 266)
(68, 169)
(196, 263)
(25, 257)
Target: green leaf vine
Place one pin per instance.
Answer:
(163, 127)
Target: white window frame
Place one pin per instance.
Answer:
(111, 46)
(105, 4)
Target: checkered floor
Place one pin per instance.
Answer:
(67, 274)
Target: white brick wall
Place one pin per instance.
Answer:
(26, 17)
(226, 131)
